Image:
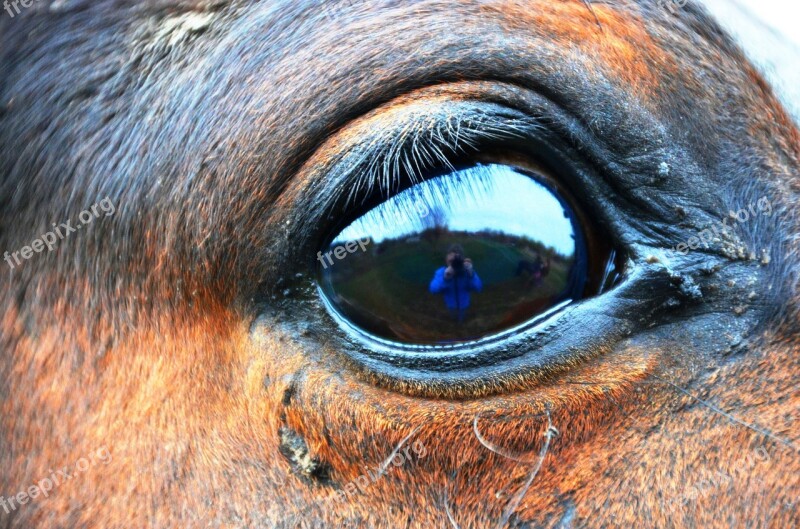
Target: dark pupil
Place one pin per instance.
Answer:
(456, 258)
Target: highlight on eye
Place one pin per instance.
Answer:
(463, 256)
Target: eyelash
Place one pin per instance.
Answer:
(391, 162)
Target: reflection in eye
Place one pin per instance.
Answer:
(462, 256)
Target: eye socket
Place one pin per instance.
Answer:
(463, 256)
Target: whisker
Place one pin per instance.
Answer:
(588, 5)
(447, 510)
(729, 416)
(381, 471)
(515, 501)
(494, 448)
(388, 460)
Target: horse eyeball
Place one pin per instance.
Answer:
(463, 256)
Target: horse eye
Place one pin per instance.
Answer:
(464, 256)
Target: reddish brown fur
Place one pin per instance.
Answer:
(190, 397)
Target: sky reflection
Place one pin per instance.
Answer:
(484, 197)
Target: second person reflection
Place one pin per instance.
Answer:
(455, 281)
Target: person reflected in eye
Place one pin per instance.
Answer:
(536, 270)
(455, 282)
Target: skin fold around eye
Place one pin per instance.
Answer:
(437, 131)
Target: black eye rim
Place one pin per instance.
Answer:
(447, 361)
(639, 300)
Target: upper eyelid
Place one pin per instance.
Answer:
(384, 154)
(427, 139)
(375, 155)
(412, 136)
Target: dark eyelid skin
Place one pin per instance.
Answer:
(381, 153)
(382, 149)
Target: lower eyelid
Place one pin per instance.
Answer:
(520, 358)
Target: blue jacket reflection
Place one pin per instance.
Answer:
(456, 289)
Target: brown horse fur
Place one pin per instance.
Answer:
(176, 334)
